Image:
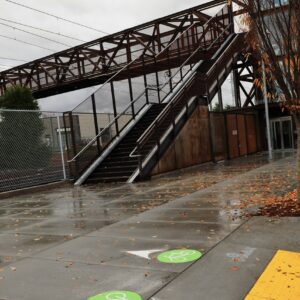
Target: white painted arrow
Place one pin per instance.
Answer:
(145, 253)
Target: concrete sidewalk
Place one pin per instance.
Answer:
(76, 245)
(229, 270)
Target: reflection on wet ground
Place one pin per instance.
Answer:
(73, 212)
(98, 224)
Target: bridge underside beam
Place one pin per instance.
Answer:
(94, 62)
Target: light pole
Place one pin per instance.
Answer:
(266, 102)
(267, 110)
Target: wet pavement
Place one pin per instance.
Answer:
(230, 270)
(74, 243)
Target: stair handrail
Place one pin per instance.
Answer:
(166, 110)
(217, 62)
(146, 88)
(91, 142)
(182, 65)
(109, 80)
(210, 74)
(130, 104)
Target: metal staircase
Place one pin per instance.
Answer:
(202, 86)
(119, 166)
(135, 149)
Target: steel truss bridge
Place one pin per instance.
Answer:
(153, 78)
(135, 51)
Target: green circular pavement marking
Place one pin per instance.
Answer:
(117, 295)
(179, 256)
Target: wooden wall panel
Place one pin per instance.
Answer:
(251, 130)
(242, 134)
(204, 130)
(218, 132)
(191, 146)
(168, 163)
(232, 133)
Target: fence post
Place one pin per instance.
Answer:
(76, 171)
(61, 148)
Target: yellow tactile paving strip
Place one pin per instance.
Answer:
(280, 280)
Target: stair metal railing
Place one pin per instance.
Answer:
(179, 102)
(184, 48)
(214, 76)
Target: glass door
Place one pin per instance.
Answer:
(276, 135)
(287, 134)
(282, 133)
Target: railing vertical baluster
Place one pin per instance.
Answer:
(188, 41)
(114, 107)
(231, 18)
(204, 36)
(223, 19)
(169, 72)
(145, 81)
(131, 97)
(96, 121)
(157, 84)
(193, 29)
(179, 56)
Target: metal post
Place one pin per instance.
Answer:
(76, 170)
(72, 133)
(179, 56)
(267, 111)
(114, 106)
(53, 140)
(96, 121)
(66, 135)
(169, 72)
(220, 96)
(131, 97)
(157, 86)
(234, 88)
(231, 18)
(145, 81)
(61, 148)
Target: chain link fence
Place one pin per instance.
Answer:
(33, 149)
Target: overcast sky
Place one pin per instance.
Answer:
(106, 15)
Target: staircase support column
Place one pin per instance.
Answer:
(237, 96)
